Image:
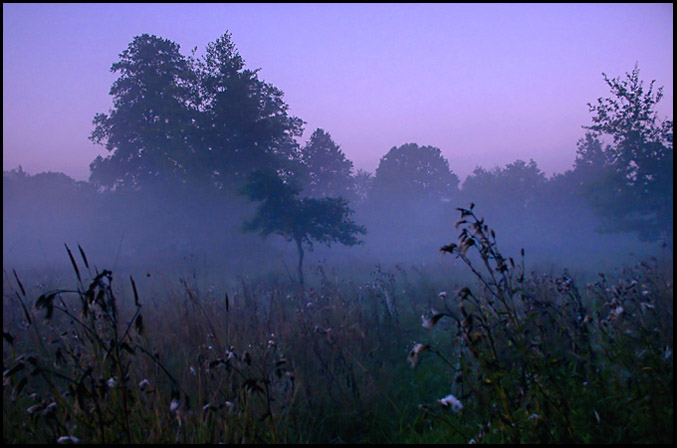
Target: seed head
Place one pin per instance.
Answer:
(415, 352)
(451, 402)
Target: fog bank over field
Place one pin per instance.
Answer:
(206, 165)
(175, 233)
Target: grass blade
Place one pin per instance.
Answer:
(75, 266)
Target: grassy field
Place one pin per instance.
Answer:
(491, 355)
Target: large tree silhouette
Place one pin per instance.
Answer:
(634, 189)
(244, 122)
(147, 130)
(205, 121)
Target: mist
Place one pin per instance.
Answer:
(178, 230)
(338, 223)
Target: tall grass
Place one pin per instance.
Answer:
(538, 361)
(510, 357)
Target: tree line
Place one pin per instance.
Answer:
(209, 127)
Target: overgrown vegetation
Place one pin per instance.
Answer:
(383, 357)
(511, 357)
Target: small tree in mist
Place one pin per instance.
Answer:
(633, 192)
(302, 220)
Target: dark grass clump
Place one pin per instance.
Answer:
(267, 363)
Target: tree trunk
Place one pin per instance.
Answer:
(300, 267)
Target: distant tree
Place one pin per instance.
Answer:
(303, 220)
(327, 170)
(147, 130)
(414, 172)
(515, 186)
(362, 181)
(634, 191)
(244, 123)
(45, 191)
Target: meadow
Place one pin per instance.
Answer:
(486, 352)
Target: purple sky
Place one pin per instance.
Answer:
(487, 84)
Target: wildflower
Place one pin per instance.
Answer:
(615, 312)
(34, 408)
(229, 406)
(451, 401)
(110, 383)
(67, 439)
(443, 295)
(193, 371)
(49, 410)
(143, 384)
(174, 405)
(646, 306)
(414, 353)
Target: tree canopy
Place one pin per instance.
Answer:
(414, 172)
(179, 119)
(303, 220)
(244, 123)
(516, 185)
(148, 128)
(634, 189)
(328, 171)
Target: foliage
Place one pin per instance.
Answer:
(183, 120)
(633, 192)
(147, 130)
(363, 181)
(243, 124)
(303, 220)
(260, 362)
(412, 172)
(329, 173)
(516, 186)
(539, 363)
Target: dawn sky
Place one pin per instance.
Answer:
(487, 84)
